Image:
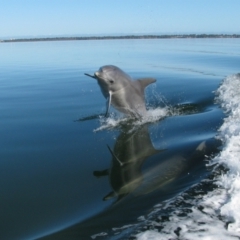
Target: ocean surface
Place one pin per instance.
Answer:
(59, 178)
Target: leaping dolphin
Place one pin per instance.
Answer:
(125, 95)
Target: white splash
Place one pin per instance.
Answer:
(116, 120)
(229, 95)
(215, 215)
(102, 234)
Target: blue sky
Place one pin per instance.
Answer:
(81, 17)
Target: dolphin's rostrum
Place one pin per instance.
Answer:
(125, 95)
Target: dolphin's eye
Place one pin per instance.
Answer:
(111, 81)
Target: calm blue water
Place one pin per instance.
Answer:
(58, 179)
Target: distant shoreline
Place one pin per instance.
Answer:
(121, 37)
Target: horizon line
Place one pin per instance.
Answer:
(126, 36)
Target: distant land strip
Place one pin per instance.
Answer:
(121, 37)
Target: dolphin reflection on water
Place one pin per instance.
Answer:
(131, 150)
(128, 155)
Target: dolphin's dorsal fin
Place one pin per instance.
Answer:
(146, 81)
(141, 83)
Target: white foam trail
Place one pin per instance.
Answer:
(215, 215)
(229, 95)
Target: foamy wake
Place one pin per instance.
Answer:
(215, 215)
(115, 121)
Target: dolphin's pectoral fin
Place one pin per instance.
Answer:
(141, 83)
(108, 103)
(114, 156)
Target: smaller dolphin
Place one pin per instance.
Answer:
(125, 95)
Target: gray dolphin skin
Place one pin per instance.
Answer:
(126, 95)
